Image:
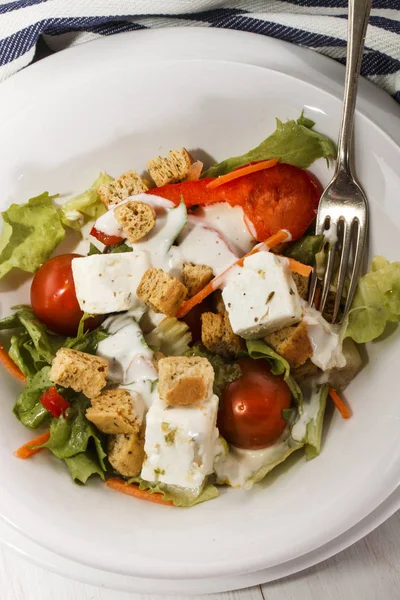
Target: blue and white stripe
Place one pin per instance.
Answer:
(317, 24)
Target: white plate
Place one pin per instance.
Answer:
(96, 108)
(28, 549)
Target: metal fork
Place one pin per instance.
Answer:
(343, 208)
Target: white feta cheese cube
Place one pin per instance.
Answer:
(261, 297)
(180, 443)
(106, 283)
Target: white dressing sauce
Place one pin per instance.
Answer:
(203, 246)
(109, 225)
(129, 358)
(239, 465)
(330, 234)
(230, 223)
(158, 243)
(325, 340)
(311, 404)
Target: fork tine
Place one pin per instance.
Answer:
(358, 259)
(343, 267)
(313, 287)
(327, 276)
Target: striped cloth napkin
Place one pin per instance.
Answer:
(317, 24)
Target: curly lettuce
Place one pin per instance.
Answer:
(308, 427)
(376, 302)
(31, 232)
(294, 142)
(180, 496)
(84, 207)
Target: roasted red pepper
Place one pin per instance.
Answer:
(104, 238)
(54, 402)
(282, 197)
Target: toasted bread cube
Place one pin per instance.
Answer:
(161, 292)
(127, 184)
(185, 380)
(301, 284)
(80, 371)
(136, 218)
(171, 169)
(217, 335)
(304, 371)
(292, 343)
(126, 453)
(113, 412)
(195, 277)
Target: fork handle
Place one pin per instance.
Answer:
(357, 26)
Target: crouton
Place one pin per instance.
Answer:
(171, 169)
(304, 371)
(195, 277)
(161, 292)
(157, 356)
(126, 453)
(136, 218)
(302, 284)
(184, 380)
(113, 412)
(127, 184)
(80, 371)
(292, 343)
(217, 335)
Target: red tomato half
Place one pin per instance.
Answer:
(251, 412)
(104, 238)
(53, 297)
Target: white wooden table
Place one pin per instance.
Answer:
(369, 570)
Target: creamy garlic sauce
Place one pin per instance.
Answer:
(310, 409)
(229, 222)
(325, 340)
(203, 246)
(330, 234)
(109, 225)
(239, 465)
(129, 358)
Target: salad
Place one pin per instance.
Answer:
(177, 351)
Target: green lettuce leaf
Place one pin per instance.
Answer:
(24, 354)
(84, 465)
(293, 142)
(224, 372)
(171, 337)
(180, 496)
(376, 302)
(85, 207)
(279, 366)
(87, 341)
(93, 250)
(308, 427)
(269, 466)
(28, 408)
(305, 249)
(45, 343)
(119, 248)
(74, 439)
(31, 232)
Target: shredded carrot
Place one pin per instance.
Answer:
(271, 242)
(298, 267)
(10, 364)
(28, 449)
(260, 166)
(340, 404)
(136, 492)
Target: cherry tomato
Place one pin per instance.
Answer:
(104, 238)
(53, 297)
(54, 402)
(251, 411)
